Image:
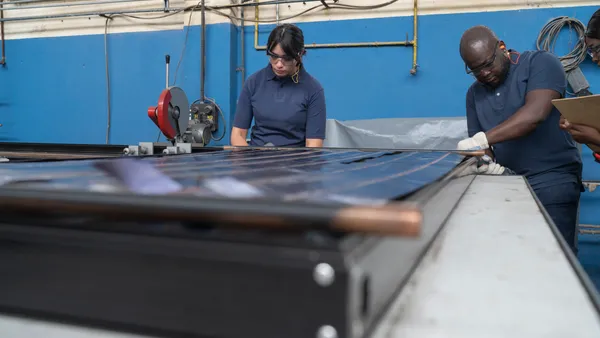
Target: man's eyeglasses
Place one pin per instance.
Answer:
(488, 64)
(593, 50)
(286, 59)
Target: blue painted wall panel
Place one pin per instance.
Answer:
(359, 82)
(54, 89)
(375, 82)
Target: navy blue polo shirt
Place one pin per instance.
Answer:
(546, 156)
(285, 113)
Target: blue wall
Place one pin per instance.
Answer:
(54, 89)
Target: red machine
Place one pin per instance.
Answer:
(173, 117)
(172, 114)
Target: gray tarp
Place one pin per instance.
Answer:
(394, 133)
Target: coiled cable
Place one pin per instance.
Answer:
(547, 39)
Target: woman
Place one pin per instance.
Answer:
(592, 37)
(582, 133)
(286, 103)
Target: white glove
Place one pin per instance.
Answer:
(477, 142)
(491, 168)
(485, 167)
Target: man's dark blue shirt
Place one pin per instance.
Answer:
(548, 155)
(285, 113)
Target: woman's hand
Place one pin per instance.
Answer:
(580, 132)
(563, 123)
(238, 137)
(314, 143)
(585, 134)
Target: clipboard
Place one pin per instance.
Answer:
(581, 110)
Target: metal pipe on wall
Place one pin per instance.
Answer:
(256, 46)
(250, 3)
(203, 50)
(15, 2)
(243, 46)
(74, 15)
(406, 43)
(3, 60)
(107, 74)
(143, 11)
(413, 70)
(79, 3)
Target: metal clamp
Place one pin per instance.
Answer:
(179, 148)
(144, 148)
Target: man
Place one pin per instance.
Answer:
(511, 116)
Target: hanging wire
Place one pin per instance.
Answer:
(213, 9)
(547, 39)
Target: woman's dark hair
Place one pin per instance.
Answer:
(290, 38)
(593, 26)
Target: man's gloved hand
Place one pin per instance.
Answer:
(487, 166)
(484, 166)
(477, 142)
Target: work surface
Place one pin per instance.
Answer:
(495, 270)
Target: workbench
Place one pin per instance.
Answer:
(497, 268)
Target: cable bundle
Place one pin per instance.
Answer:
(549, 33)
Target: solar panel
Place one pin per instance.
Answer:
(220, 230)
(316, 175)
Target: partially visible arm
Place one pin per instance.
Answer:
(243, 118)
(581, 133)
(316, 118)
(585, 134)
(314, 143)
(537, 107)
(238, 137)
(547, 81)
